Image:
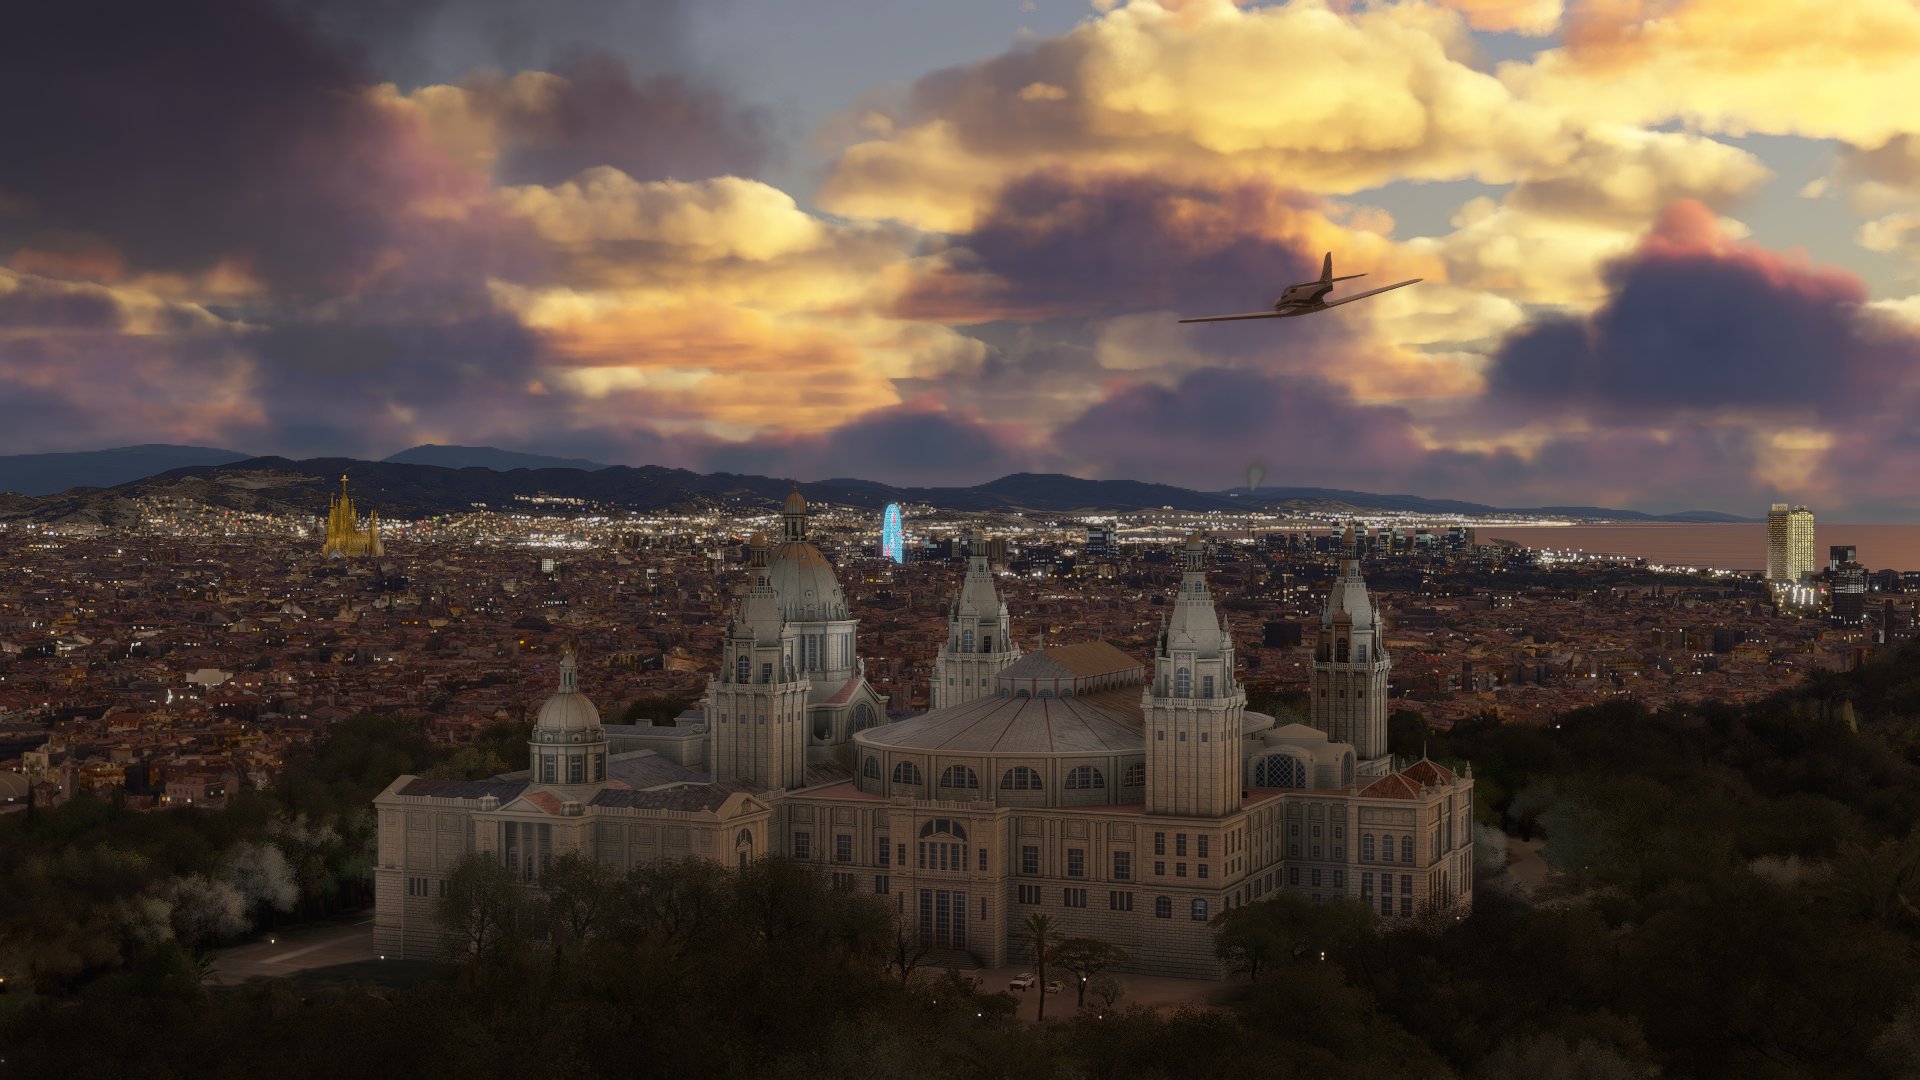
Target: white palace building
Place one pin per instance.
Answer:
(1132, 802)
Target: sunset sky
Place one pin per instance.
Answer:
(1671, 247)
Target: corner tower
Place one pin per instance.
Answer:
(1193, 705)
(568, 748)
(757, 706)
(1350, 666)
(979, 641)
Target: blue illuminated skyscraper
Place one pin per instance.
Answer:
(893, 542)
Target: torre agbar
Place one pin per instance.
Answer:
(1130, 801)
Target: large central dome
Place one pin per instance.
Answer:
(804, 579)
(800, 574)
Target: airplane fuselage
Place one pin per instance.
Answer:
(1305, 294)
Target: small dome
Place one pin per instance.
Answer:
(796, 503)
(568, 712)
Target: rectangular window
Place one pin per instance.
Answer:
(843, 882)
(1160, 869)
(1293, 875)
(1202, 850)
(802, 845)
(1406, 884)
(1162, 907)
(1406, 907)
(843, 848)
(880, 850)
(1366, 885)
(1315, 874)
(1199, 911)
(1029, 860)
(900, 855)
(1119, 901)
(1073, 897)
(1203, 870)
(1029, 894)
(1206, 686)
(1159, 843)
(1179, 869)
(1339, 879)
(1180, 844)
(1122, 865)
(766, 672)
(880, 883)
(549, 771)
(983, 863)
(1076, 862)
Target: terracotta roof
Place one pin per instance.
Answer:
(1427, 772)
(1084, 660)
(1391, 786)
(545, 800)
(841, 695)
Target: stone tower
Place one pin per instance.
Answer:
(1350, 667)
(757, 706)
(979, 636)
(1193, 705)
(568, 748)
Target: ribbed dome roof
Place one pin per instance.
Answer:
(796, 503)
(804, 579)
(569, 710)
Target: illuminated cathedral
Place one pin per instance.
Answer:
(345, 537)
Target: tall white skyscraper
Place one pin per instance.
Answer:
(1789, 544)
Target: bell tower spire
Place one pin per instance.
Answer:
(1194, 704)
(979, 636)
(1350, 666)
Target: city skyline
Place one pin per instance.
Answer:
(1667, 247)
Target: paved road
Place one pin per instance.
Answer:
(300, 948)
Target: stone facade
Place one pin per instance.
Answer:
(1133, 803)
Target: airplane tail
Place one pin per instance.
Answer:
(1326, 271)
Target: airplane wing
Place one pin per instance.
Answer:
(1369, 292)
(1248, 315)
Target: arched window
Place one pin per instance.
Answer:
(966, 641)
(1279, 771)
(943, 846)
(1406, 849)
(959, 776)
(1183, 683)
(1020, 778)
(1046, 691)
(1386, 849)
(743, 847)
(1136, 775)
(871, 770)
(743, 669)
(1366, 847)
(863, 718)
(1022, 692)
(955, 829)
(1085, 777)
(907, 773)
(1199, 911)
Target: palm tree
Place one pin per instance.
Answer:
(1043, 935)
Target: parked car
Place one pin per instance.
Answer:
(1054, 987)
(1022, 981)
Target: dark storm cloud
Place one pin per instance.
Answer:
(1059, 243)
(1694, 322)
(194, 131)
(659, 128)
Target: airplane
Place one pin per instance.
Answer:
(1307, 297)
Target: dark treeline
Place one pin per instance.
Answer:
(1738, 896)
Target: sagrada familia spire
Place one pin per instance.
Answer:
(345, 538)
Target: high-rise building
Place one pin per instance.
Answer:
(893, 541)
(1789, 544)
(1848, 606)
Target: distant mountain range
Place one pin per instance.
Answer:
(45, 474)
(486, 457)
(429, 480)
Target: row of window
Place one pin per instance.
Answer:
(1386, 848)
(1117, 900)
(578, 770)
(1018, 778)
(419, 886)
